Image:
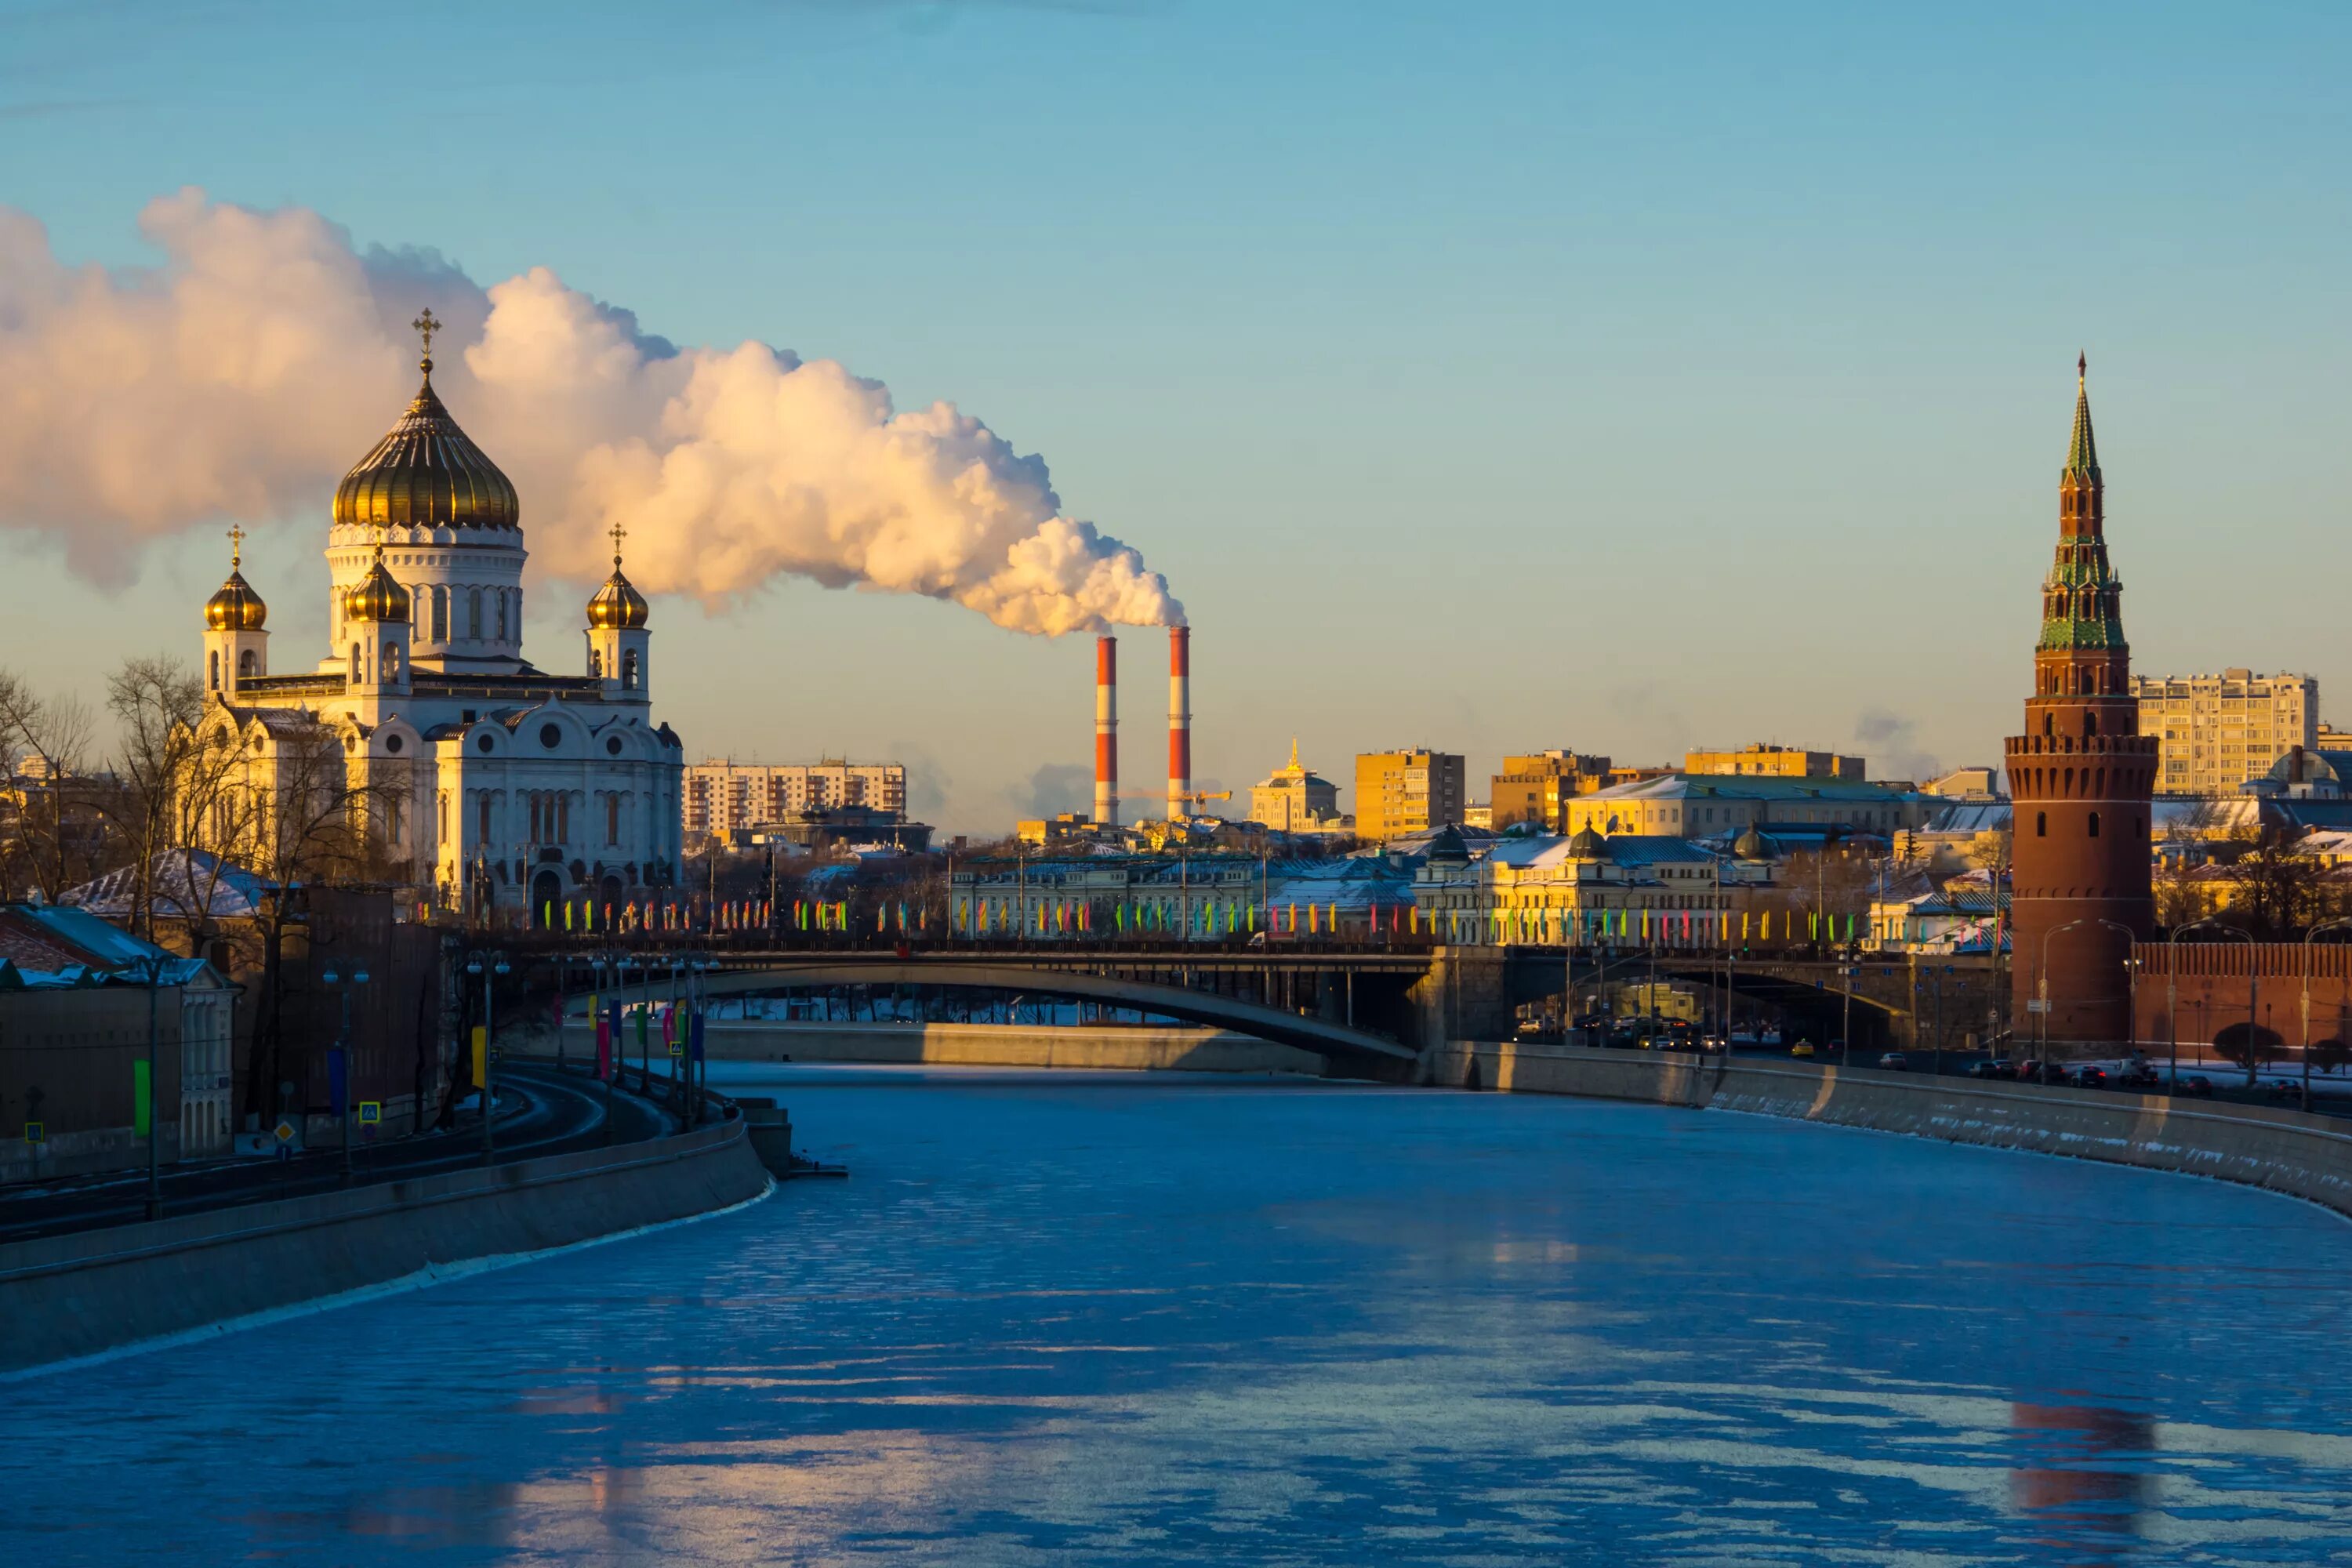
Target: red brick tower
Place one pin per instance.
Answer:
(2081, 778)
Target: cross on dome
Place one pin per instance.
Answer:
(236, 545)
(426, 325)
(619, 534)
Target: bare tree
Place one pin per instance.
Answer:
(55, 838)
(172, 773)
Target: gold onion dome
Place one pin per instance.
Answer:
(426, 472)
(236, 608)
(617, 607)
(376, 596)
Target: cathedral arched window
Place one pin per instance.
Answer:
(392, 661)
(629, 671)
(247, 664)
(474, 613)
(440, 615)
(595, 665)
(502, 597)
(358, 670)
(214, 666)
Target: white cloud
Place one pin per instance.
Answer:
(243, 375)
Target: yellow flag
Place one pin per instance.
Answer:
(481, 1055)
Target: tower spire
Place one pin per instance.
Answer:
(2082, 451)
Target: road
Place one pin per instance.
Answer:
(540, 1111)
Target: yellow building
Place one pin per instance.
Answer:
(1589, 888)
(1760, 760)
(1404, 792)
(1294, 799)
(1719, 806)
(1531, 787)
(2215, 732)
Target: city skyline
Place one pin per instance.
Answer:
(1706, 503)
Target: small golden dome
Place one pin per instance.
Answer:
(617, 607)
(235, 607)
(376, 596)
(426, 472)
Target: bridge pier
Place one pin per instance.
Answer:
(1464, 996)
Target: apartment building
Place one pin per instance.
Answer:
(2216, 731)
(732, 797)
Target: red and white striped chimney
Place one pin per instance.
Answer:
(1107, 730)
(1179, 722)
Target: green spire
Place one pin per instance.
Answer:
(2083, 453)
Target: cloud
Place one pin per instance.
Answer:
(1890, 741)
(243, 375)
(1053, 788)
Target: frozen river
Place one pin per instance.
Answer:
(1137, 1319)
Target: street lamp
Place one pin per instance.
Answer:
(151, 971)
(2340, 923)
(2042, 983)
(488, 964)
(339, 1065)
(2172, 986)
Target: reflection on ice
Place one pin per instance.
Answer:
(1140, 1320)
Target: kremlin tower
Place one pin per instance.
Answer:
(2080, 781)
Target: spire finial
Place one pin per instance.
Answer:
(426, 325)
(236, 545)
(618, 533)
(2081, 370)
(1294, 753)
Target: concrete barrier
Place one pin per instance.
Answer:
(65, 1296)
(1139, 1050)
(2286, 1152)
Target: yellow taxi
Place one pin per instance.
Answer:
(1802, 1048)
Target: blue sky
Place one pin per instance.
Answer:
(1486, 377)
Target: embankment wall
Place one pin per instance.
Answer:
(1141, 1050)
(65, 1296)
(2285, 1151)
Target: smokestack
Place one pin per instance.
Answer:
(1106, 730)
(1179, 722)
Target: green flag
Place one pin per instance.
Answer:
(143, 1096)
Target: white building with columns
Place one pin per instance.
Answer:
(489, 783)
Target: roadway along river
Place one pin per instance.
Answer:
(1143, 1319)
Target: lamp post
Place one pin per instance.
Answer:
(2172, 987)
(343, 1055)
(488, 963)
(2042, 983)
(2340, 923)
(150, 968)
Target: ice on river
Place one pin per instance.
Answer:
(1142, 1319)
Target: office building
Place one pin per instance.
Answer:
(1408, 791)
(2216, 731)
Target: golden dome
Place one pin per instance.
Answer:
(617, 607)
(426, 472)
(236, 608)
(376, 596)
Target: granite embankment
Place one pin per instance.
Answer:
(2285, 1151)
(65, 1296)
(1144, 1049)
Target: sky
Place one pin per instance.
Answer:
(1489, 378)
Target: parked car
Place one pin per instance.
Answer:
(2193, 1083)
(1997, 1068)
(2139, 1075)
(1895, 1061)
(1802, 1048)
(2282, 1089)
(2088, 1075)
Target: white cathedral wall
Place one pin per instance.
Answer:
(447, 571)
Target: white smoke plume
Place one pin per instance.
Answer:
(243, 375)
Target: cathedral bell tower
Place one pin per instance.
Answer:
(377, 622)
(236, 645)
(617, 638)
(2080, 780)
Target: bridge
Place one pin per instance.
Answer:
(1366, 1004)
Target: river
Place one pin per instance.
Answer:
(1139, 1319)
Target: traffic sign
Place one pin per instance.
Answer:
(286, 1132)
(37, 1132)
(371, 1112)
(2037, 1004)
